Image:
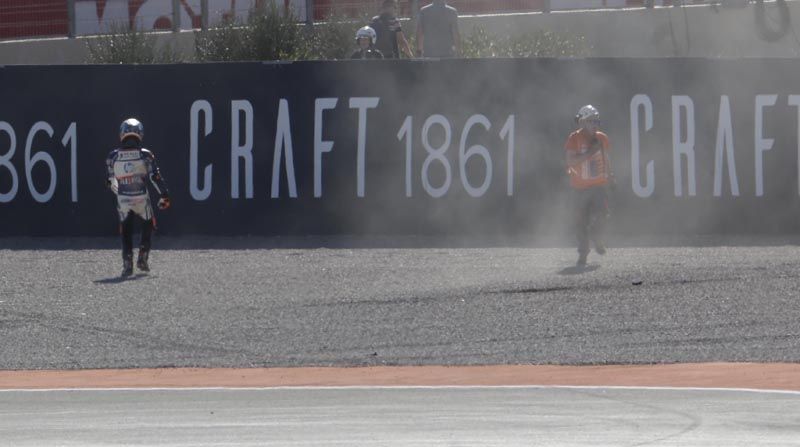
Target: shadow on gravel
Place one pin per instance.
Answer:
(167, 242)
(119, 279)
(278, 242)
(532, 290)
(575, 270)
(58, 243)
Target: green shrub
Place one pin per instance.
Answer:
(219, 44)
(122, 45)
(540, 43)
(335, 37)
(272, 34)
(268, 34)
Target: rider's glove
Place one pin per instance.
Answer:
(164, 203)
(113, 185)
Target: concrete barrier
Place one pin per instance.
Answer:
(695, 31)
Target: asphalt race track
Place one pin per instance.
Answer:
(400, 417)
(274, 302)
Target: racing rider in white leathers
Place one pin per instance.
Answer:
(130, 168)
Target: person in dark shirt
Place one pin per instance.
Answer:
(390, 37)
(365, 40)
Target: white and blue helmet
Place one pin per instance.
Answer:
(131, 127)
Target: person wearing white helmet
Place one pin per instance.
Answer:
(589, 170)
(365, 40)
(130, 168)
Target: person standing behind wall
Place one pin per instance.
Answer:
(437, 31)
(365, 41)
(390, 37)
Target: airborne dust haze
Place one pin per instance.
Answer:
(704, 131)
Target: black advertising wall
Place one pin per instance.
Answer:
(404, 147)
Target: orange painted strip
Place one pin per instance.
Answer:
(773, 376)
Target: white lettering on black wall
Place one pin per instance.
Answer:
(239, 150)
(762, 144)
(683, 148)
(197, 107)
(320, 146)
(646, 190)
(362, 104)
(724, 149)
(283, 139)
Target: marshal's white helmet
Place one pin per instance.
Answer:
(588, 118)
(366, 32)
(131, 127)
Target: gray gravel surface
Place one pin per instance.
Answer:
(261, 302)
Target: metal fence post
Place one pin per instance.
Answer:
(204, 14)
(71, 18)
(310, 12)
(176, 15)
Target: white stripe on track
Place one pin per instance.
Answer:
(406, 387)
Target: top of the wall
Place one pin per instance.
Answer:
(694, 31)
